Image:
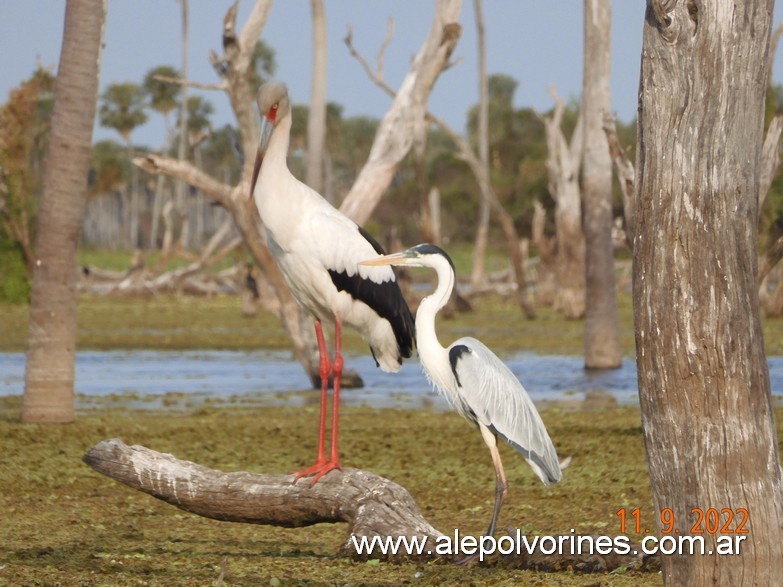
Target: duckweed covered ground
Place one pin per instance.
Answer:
(64, 524)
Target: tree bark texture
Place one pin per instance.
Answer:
(704, 389)
(49, 373)
(370, 505)
(602, 335)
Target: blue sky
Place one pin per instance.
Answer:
(537, 42)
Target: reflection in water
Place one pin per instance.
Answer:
(184, 379)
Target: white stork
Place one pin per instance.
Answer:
(318, 250)
(476, 382)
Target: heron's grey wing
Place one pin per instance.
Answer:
(498, 400)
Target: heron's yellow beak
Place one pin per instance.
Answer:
(393, 259)
(267, 126)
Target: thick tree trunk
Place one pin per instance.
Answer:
(372, 506)
(602, 335)
(49, 373)
(708, 423)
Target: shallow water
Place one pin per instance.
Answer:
(186, 379)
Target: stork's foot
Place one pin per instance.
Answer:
(318, 470)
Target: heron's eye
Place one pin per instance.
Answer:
(274, 106)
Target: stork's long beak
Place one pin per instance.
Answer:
(393, 259)
(265, 132)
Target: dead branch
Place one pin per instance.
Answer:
(504, 218)
(187, 172)
(405, 119)
(189, 83)
(371, 505)
(466, 151)
(626, 175)
(770, 158)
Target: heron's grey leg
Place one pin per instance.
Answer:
(501, 487)
(501, 483)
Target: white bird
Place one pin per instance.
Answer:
(318, 250)
(475, 381)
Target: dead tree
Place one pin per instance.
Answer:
(602, 331)
(478, 276)
(370, 505)
(405, 119)
(707, 414)
(482, 177)
(390, 146)
(563, 170)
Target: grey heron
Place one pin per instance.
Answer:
(475, 381)
(318, 250)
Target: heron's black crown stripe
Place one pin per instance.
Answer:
(385, 298)
(455, 353)
(430, 249)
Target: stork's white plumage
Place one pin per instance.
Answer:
(318, 250)
(476, 382)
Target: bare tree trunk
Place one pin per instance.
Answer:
(433, 204)
(478, 276)
(602, 336)
(316, 122)
(49, 374)
(704, 389)
(547, 284)
(563, 170)
(133, 210)
(182, 146)
(405, 118)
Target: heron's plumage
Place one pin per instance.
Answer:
(498, 400)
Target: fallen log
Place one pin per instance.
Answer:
(370, 505)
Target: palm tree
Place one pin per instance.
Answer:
(163, 98)
(122, 108)
(49, 374)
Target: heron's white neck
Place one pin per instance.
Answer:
(426, 337)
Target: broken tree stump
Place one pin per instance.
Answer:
(371, 505)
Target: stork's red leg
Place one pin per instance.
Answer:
(324, 370)
(337, 373)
